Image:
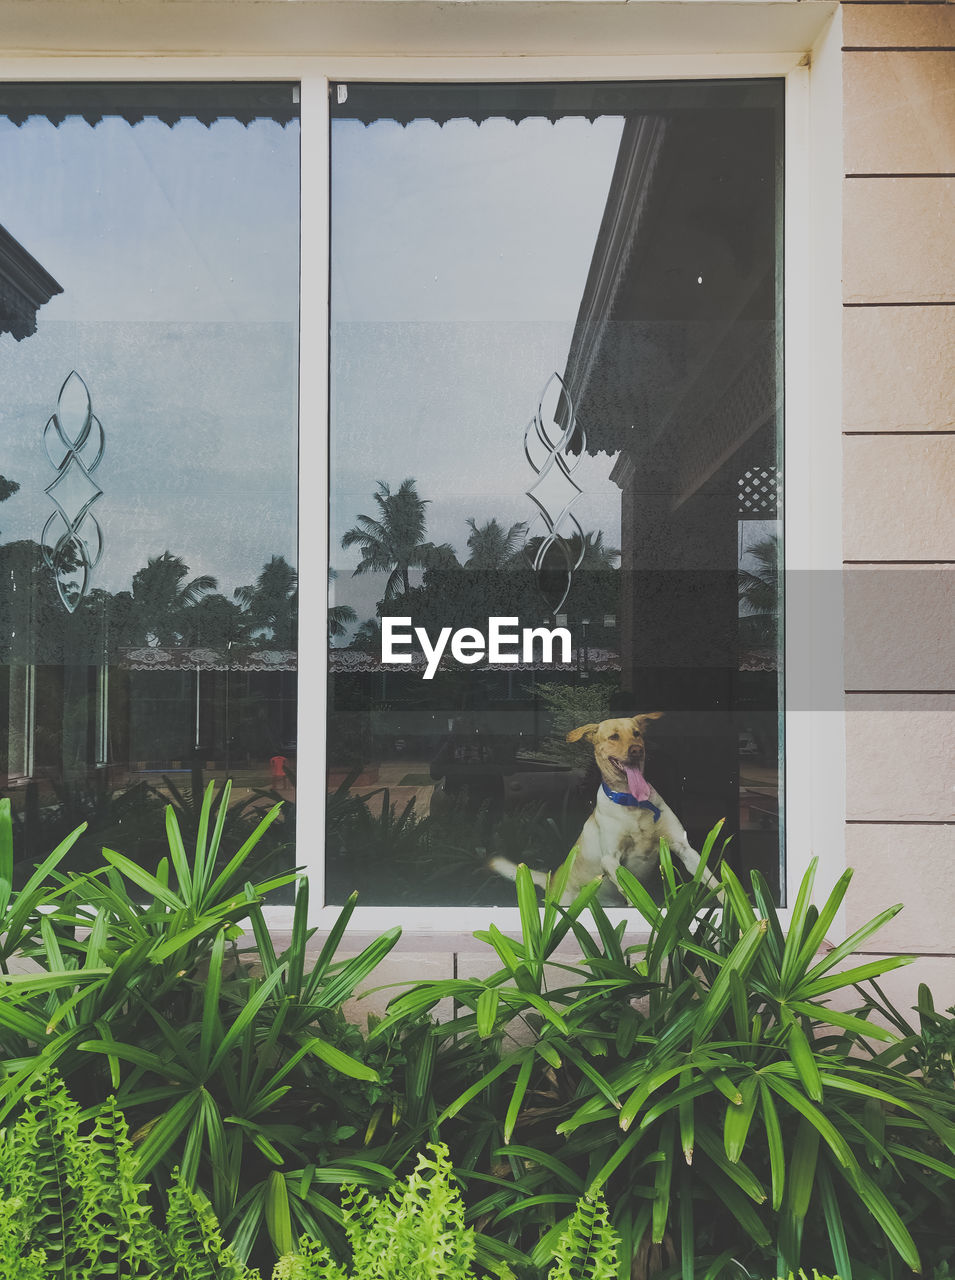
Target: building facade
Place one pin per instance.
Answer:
(867, 321)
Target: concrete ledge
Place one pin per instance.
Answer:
(394, 27)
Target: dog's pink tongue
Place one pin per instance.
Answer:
(637, 784)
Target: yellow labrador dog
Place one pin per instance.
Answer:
(629, 819)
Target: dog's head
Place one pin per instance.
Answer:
(620, 751)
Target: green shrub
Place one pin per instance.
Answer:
(250, 1081)
(702, 1080)
(417, 1229)
(71, 1207)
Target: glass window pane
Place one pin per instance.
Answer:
(149, 340)
(555, 374)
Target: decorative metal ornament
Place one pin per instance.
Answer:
(554, 492)
(72, 540)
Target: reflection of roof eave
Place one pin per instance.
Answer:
(195, 658)
(623, 220)
(24, 287)
(357, 662)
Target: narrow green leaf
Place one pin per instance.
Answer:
(836, 1018)
(812, 988)
(774, 1142)
(478, 1086)
(817, 934)
(687, 1120)
(638, 897)
(211, 1022)
(335, 935)
(246, 1015)
(875, 1200)
(296, 951)
(517, 1097)
(164, 1130)
(662, 1180)
(341, 1061)
(836, 1142)
(342, 985)
(739, 1205)
(833, 1215)
(242, 854)
(529, 911)
(803, 1058)
(797, 926)
(200, 862)
(739, 1118)
(277, 1215)
(177, 855)
(739, 959)
(140, 876)
(487, 1011)
(29, 897)
(802, 1168)
(851, 944)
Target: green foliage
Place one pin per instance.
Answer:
(815, 1276)
(929, 1049)
(569, 706)
(702, 1080)
(69, 1194)
(19, 1259)
(72, 1197)
(417, 1224)
(246, 1079)
(587, 1249)
(418, 1229)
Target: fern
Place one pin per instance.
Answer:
(312, 1262)
(195, 1241)
(417, 1228)
(15, 1262)
(587, 1249)
(815, 1276)
(71, 1208)
(42, 1167)
(114, 1235)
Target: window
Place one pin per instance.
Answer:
(556, 406)
(148, 332)
(67, 710)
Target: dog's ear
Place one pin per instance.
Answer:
(584, 731)
(640, 722)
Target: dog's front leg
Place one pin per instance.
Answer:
(672, 831)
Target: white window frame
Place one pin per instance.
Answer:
(815, 754)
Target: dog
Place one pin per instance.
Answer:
(629, 819)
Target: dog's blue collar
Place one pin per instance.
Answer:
(625, 798)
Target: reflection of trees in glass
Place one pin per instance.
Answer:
(496, 578)
(162, 592)
(492, 546)
(758, 590)
(216, 622)
(165, 607)
(7, 488)
(340, 616)
(272, 602)
(395, 542)
(596, 555)
(367, 638)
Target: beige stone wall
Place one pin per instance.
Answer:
(899, 478)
